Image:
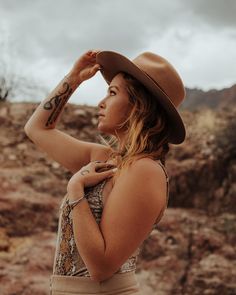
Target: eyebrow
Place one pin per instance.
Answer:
(113, 86)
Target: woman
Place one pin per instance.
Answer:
(107, 213)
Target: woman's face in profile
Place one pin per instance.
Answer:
(115, 106)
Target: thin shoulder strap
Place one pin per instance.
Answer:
(167, 181)
(164, 168)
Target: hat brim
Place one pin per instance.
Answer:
(112, 63)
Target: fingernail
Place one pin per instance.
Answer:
(114, 170)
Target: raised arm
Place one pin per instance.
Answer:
(40, 128)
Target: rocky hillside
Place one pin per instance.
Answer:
(193, 250)
(214, 99)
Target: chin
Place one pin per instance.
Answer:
(105, 130)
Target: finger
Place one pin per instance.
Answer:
(92, 54)
(96, 163)
(100, 67)
(107, 173)
(96, 68)
(89, 52)
(105, 168)
(96, 51)
(102, 164)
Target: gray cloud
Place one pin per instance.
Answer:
(215, 13)
(50, 35)
(125, 26)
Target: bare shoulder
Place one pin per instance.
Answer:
(145, 168)
(145, 177)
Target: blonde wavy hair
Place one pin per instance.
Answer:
(146, 127)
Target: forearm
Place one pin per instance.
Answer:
(89, 239)
(47, 113)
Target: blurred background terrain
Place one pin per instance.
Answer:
(193, 249)
(192, 252)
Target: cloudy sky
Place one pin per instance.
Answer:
(42, 39)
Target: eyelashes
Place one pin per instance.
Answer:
(110, 92)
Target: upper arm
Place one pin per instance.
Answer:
(131, 210)
(68, 151)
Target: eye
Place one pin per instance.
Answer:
(112, 91)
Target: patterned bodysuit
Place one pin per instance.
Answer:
(67, 260)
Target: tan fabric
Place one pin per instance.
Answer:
(118, 284)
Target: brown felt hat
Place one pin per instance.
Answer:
(158, 76)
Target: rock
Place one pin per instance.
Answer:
(188, 260)
(211, 275)
(219, 193)
(80, 112)
(4, 240)
(31, 265)
(22, 146)
(12, 157)
(192, 251)
(94, 121)
(232, 172)
(3, 112)
(55, 165)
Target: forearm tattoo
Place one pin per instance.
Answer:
(59, 101)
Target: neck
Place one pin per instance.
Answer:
(121, 137)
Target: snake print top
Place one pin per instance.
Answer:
(67, 260)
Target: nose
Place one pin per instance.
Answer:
(101, 104)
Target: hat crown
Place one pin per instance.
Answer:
(163, 74)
